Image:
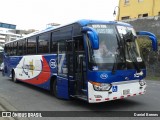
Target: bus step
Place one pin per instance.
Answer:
(84, 91)
(82, 97)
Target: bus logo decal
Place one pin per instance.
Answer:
(28, 68)
(52, 63)
(104, 76)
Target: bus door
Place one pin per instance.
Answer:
(77, 68)
(70, 66)
(62, 79)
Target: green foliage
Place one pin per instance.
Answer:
(152, 59)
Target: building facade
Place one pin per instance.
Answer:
(8, 32)
(133, 9)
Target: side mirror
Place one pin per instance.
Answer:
(152, 37)
(129, 37)
(93, 37)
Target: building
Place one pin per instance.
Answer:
(8, 32)
(133, 9)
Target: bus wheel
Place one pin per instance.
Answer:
(14, 77)
(54, 88)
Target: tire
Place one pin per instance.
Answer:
(54, 88)
(14, 77)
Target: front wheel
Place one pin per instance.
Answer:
(14, 77)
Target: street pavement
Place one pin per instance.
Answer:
(24, 97)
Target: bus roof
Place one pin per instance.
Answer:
(86, 22)
(82, 23)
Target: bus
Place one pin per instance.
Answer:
(92, 60)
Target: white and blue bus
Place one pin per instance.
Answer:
(92, 60)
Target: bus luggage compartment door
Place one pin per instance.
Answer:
(62, 87)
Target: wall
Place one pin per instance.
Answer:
(151, 24)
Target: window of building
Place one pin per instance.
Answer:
(43, 43)
(126, 1)
(158, 13)
(145, 15)
(125, 17)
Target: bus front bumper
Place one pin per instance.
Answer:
(119, 90)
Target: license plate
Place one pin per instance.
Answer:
(126, 92)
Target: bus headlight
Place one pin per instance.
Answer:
(142, 82)
(101, 86)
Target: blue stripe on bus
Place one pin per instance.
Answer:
(119, 76)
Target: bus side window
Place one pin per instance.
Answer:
(20, 48)
(79, 45)
(43, 43)
(54, 47)
(31, 46)
(24, 42)
(11, 49)
(6, 50)
(62, 65)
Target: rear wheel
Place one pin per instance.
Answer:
(54, 88)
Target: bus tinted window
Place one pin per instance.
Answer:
(15, 48)
(11, 50)
(20, 48)
(54, 47)
(31, 46)
(43, 43)
(6, 49)
(62, 66)
(24, 42)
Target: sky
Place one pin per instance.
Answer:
(36, 14)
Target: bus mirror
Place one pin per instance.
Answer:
(152, 37)
(129, 37)
(93, 37)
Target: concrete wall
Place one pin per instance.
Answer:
(151, 24)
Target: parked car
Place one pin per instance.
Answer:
(1, 66)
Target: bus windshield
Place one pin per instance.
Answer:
(113, 49)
